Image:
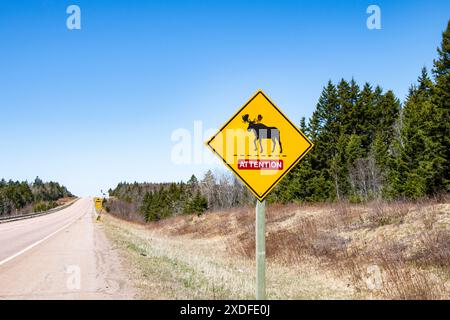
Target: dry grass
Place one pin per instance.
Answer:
(382, 213)
(64, 201)
(435, 250)
(164, 266)
(398, 250)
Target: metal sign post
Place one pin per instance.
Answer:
(260, 250)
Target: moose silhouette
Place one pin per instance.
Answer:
(262, 131)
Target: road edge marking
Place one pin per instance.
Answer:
(39, 242)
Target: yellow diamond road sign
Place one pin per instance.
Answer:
(260, 144)
(98, 203)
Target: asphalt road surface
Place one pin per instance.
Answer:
(62, 255)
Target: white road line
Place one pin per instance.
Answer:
(38, 242)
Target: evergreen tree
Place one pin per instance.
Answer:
(441, 99)
(15, 195)
(193, 182)
(365, 115)
(416, 170)
(324, 131)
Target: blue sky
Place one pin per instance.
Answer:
(96, 106)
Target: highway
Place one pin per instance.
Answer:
(62, 255)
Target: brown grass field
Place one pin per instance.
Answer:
(398, 250)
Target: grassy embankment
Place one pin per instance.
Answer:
(340, 251)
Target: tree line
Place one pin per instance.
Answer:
(20, 197)
(156, 201)
(368, 145)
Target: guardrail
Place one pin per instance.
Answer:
(36, 214)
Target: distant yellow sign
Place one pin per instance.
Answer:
(98, 203)
(260, 144)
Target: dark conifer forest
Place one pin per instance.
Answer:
(23, 197)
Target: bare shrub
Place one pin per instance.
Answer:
(401, 282)
(124, 210)
(292, 246)
(286, 246)
(365, 178)
(330, 246)
(429, 219)
(224, 223)
(435, 249)
(344, 215)
(343, 212)
(382, 213)
(279, 213)
(243, 245)
(399, 279)
(390, 253)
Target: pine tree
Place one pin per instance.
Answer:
(147, 207)
(388, 111)
(346, 118)
(441, 99)
(365, 115)
(324, 130)
(418, 168)
(193, 181)
(199, 204)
